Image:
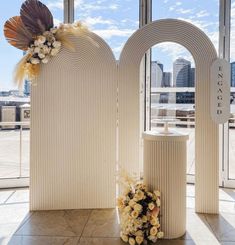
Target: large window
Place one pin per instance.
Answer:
(173, 78)
(113, 20)
(231, 168)
(14, 101)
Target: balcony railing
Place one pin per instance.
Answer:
(14, 150)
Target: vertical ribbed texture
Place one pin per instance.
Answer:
(73, 129)
(165, 170)
(206, 131)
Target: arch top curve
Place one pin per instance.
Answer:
(168, 30)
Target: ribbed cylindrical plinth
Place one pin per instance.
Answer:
(165, 170)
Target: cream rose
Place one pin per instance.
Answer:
(158, 202)
(139, 233)
(132, 203)
(41, 55)
(151, 206)
(131, 241)
(134, 214)
(144, 219)
(127, 209)
(157, 193)
(139, 195)
(55, 51)
(153, 231)
(121, 202)
(153, 221)
(152, 238)
(56, 44)
(41, 39)
(34, 61)
(124, 237)
(45, 60)
(138, 207)
(139, 239)
(160, 234)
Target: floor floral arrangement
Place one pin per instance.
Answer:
(139, 212)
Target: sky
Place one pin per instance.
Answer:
(116, 21)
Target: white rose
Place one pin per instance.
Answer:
(157, 193)
(132, 203)
(139, 195)
(134, 214)
(158, 202)
(144, 219)
(45, 60)
(41, 39)
(151, 206)
(41, 55)
(138, 207)
(53, 30)
(139, 233)
(37, 50)
(45, 49)
(56, 44)
(127, 209)
(139, 239)
(54, 51)
(34, 61)
(160, 234)
(131, 241)
(153, 231)
(154, 221)
(36, 42)
(152, 238)
(124, 237)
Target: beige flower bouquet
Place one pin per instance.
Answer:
(139, 212)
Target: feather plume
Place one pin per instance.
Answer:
(16, 33)
(36, 17)
(25, 70)
(76, 29)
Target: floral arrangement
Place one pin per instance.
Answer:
(139, 212)
(34, 33)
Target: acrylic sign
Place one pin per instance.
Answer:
(220, 91)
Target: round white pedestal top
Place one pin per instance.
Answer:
(161, 136)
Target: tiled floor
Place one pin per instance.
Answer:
(18, 226)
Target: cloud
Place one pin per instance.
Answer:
(202, 13)
(184, 11)
(174, 51)
(178, 3)
(113, 32)
(58, 4)
(89, 21)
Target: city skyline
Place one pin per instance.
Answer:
(183, 74)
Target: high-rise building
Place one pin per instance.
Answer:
(166, 81)
(192, 78)
(233, 74)
(26, 88)
(156, 74)
(181, 72)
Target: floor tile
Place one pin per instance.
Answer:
(102, 223)
(223, 225)
(4, 195)
(43, 240)
(199, 230)
(101, 241)
(55, 223)
(11, 217)
(19, 196)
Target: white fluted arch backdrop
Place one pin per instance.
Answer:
(73, 132)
